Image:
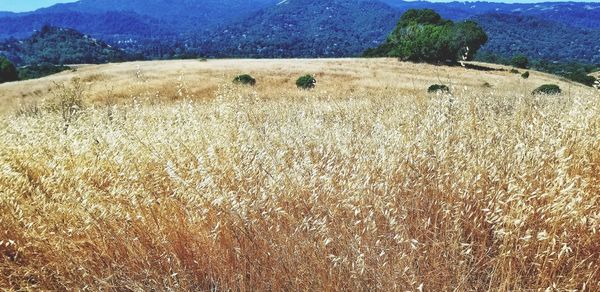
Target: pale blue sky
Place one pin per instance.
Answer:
(29, 5)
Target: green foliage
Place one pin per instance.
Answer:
(306, 82)
(514, 71)
(520, 61)
(244, 79)
(525, 75)
(539, 38)
(304, 28)
(39, 71)
(438, 88)
(582, 77)
(578, 72)
(421, 17)
(468, 37)
(548, 89)
(8, 71)
(423, 36)
(53, 45)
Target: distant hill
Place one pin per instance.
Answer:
(139, 19)
(163, 29)
(177, 15)
(108, 26)
(54, 45)
(577, 14)
(306, 28)
(539, 38)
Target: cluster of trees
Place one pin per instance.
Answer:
(40, 70)
(9, 72)
(424, 36)
(575, 71)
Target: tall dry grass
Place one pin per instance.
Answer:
(481, 190)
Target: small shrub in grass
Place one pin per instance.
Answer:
(244, 79)
(547, 89)
(438, 88)
(306, 82)
(486, 85)
(514, 71)
(525, 75)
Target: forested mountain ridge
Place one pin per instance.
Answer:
(53, 45)
(164, 29)
(576, 14)
(164, 17)
(108, 26)
(539, 38)
(305, 28)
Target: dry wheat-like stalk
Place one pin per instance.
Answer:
(482, 191)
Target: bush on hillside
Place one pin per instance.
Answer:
(8, 71)
(514, 71)
(525, 75)
(306, 82)
(438, 88)
(582, 77)
(244, 79)
(520, 61)
(551, 89)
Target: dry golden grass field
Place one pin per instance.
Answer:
(165, 176)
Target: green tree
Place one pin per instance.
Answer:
(520, 61)
(8, 71)
(467, 38)
(422, 17)
(424, 36)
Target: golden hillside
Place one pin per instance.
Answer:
(114, 83)
(165, 176)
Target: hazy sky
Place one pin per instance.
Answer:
(28, 5)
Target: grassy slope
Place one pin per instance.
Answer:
(339, 77)
(370, 185)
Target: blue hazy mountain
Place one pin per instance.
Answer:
(307, 28)
(578, 14)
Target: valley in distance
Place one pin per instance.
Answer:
(414, 166)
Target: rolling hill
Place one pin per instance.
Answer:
(163, 29)
(276, 77)
(111, 26)
(140, 19)
(53, 45)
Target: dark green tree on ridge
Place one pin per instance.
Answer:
(424, 36)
